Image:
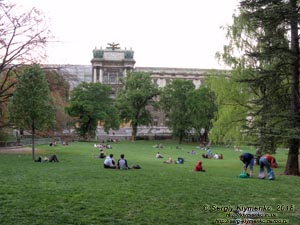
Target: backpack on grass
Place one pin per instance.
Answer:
(244, 175)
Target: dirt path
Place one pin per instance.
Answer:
(15, 150)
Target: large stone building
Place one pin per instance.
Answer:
(112, 63)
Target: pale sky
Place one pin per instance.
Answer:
(162, 33)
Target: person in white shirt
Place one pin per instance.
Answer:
(109, 162)
(216, 156)
(158, 155)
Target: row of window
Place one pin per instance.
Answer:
(114, 78)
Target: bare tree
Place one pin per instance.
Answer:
(23, 38)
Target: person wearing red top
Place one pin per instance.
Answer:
(269, 162)
(271, 159)
(198, 167)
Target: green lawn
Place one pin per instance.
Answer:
(78, 190)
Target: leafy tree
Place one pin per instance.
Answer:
(135, 98)
(30, 107)
(202, 108)
(24, 36)
(266, 75)
(59, 91)
(231, 99)
(265, 33)
(174, 100)
(89, 104)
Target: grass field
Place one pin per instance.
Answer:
(78, 190)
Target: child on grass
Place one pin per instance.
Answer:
(198, 167)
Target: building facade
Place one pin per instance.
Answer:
(110, 65)
(113, 63)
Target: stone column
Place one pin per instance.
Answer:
(197, 83)
(94, 74)
(163, 82)
(101, 75)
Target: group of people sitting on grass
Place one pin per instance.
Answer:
(264, 161)
(198, 167)
(212, 156)
(52, 158)
(179, 160)
(110, 163)
(103, 148)
(160, 145)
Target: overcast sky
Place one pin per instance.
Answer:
(162, 33)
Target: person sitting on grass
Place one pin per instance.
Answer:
(193, 152)
(40, 159)
(158, 155)
(109, 162)
(216, 156)
(52, 144)
(102, 154)
(52, 158)
(122, 163)
(179, 160)
(100, 147)
(160, 145)
(204, 156)
(248, 160)
(169, 161)
(198, 167)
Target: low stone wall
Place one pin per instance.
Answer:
(10, 144)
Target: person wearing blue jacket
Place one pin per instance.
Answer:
(248, 160)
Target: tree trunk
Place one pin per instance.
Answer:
(180, 139)
(134, 132)
(292, 165)
(32, 139)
